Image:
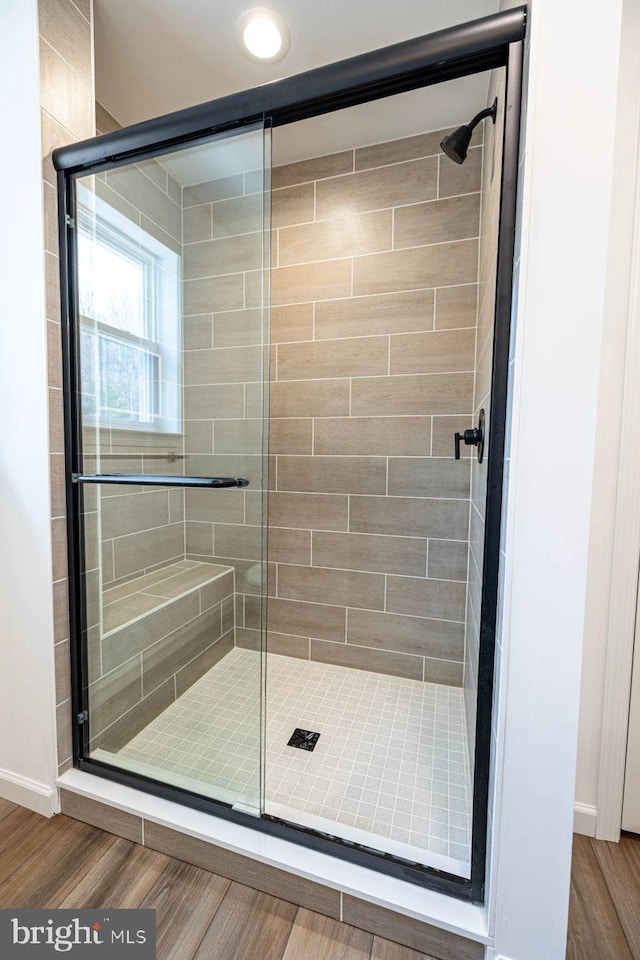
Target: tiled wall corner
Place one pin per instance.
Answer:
(67, 113)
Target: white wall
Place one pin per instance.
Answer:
(27, 700)
(561, 295)
(592, 816)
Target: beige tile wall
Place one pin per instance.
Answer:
(489, 224)
(66, 98)
(375, 269)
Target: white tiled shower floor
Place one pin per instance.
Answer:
(390, 769)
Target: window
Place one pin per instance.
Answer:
(128, 295)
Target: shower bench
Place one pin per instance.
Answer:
(161, 633)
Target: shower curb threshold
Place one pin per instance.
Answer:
(446, 913)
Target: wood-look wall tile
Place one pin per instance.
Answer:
(303, 171)
(57, 485)
(406, 312)
(237, 216)
(207, 401)
(214, 258)
(404, 634)
(405, 555)
(412, 395)
(291, 435)
(198, 539)
(136, 719)
(119, 646)
(456, 306)
(101, 815)
(442, 436)
(431, 477)
(373, 436)
(292, 322)
(213, 190)
(193, 671)
(134, 552)
(238, 328)
(410, 517)
(376, 189)
(132, 184)
(197, 224)
(437, 221)
(318, 585)
(63, 671)
(439, 264)
(197, 332)
(164, 659)
(225, 365)
(397, 151)
(64, 93)
(346, 236)
(289, 546)
(360, 658)
(455, 178)
(447, 560)
(238, 540)
(305, 282)
(237, 436)
(292, 205)
(213, 294)
(332, 474)
(112, 695)
(206, 506)
(310, 398)
(129, 514)
(288, 646)
(435, 352)
(105, 122)
(310, 511)
(437, 599)
(449, 672)
(60, 611)
(52, 291)
(359, 357)
(415, 934)
(300, 619)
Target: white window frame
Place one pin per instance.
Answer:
(163, 317)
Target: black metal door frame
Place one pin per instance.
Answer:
(494, 41)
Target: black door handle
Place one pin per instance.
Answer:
(471, 438)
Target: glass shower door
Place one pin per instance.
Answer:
(172, 266)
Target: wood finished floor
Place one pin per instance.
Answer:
(200, 916)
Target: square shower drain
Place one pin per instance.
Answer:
(303, 739)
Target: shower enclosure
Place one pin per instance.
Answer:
(286, 377)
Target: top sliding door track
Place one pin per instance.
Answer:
(445, 55)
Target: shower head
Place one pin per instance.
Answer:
(455, 146)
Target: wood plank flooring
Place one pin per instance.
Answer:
(604, 912)
(200, 916)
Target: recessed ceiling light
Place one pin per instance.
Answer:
(263, 35)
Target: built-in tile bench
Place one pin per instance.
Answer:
(161, 633)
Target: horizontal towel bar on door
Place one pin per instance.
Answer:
(147, 480)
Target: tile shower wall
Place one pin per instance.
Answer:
(66, 85)
(489, 223)
(374, 300)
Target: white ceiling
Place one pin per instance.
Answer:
(156, 56)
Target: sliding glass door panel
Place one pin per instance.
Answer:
(171, 268)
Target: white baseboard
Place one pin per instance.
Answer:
(28, 793)
(584, 819)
